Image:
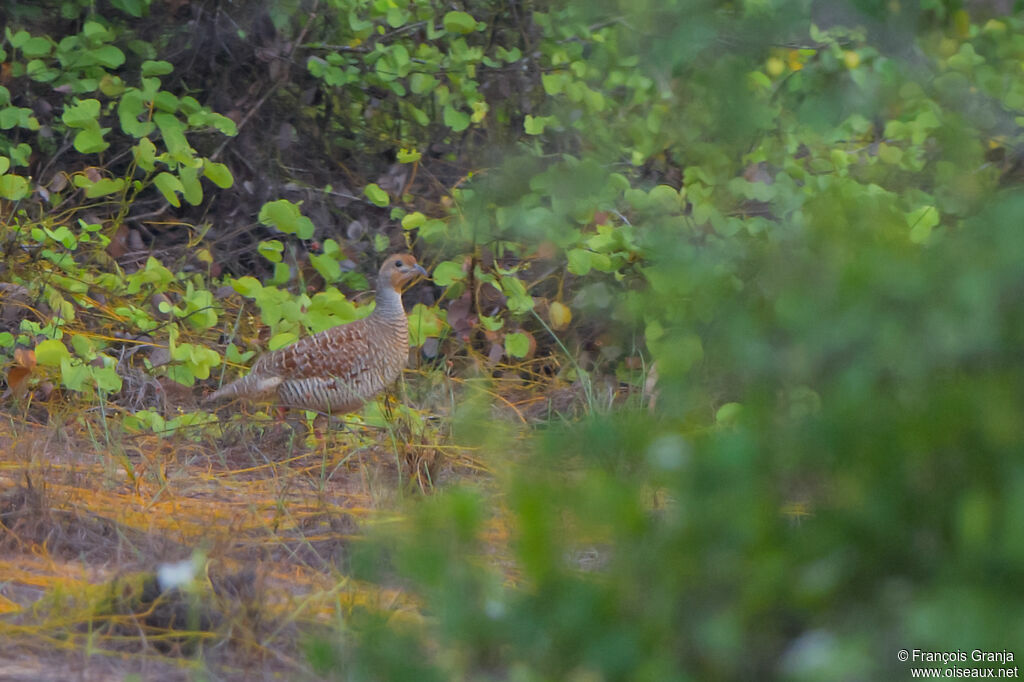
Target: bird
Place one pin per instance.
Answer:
(337, 370)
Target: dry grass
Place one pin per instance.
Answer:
(84, 521)
(88, 511)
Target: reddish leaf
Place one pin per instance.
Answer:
(25, 357)
(16, 377)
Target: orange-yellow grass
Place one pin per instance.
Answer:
(182, 491)
(243, 502)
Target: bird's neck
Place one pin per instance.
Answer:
(389, 301)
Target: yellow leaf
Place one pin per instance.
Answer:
(560, 315)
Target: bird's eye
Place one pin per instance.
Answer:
(399, 265)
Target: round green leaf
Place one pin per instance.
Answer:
(90, 140)
(517, 345)
(50, 352)
(447, 273)
(13, 187)
(108, 56)
(459, 22)
(413, 220)
(37, 47)
(728, 413)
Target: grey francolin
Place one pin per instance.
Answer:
(338, 369)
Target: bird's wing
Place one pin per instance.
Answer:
(336, 352)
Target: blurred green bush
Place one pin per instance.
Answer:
(833, 470)
(806, 214)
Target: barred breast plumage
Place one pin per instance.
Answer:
(339, 369)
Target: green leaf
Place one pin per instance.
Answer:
(329, 308)
(921, 221)
(535, 125)
(413, 220)
(108, 56)
(222, 123)
(90, 140)
(376, 195)
(13, 187)
(170, 186)
(166, 102)
(20, 154)
(82, 114)
(193, 189)
(408, 155)
(36, 47)
(448, 272)
(326, 266)
(234, 355)
(455, 119)
(281, 340)
(156, 68)
(94, 31)
(579, 261)
(106, 379)
(668, 199)
(554, 83)
(728, 413)
(889, 153)
(218, 174)
(519, 301)
(104, 186)
(271, 249)
(145, 154)
(422, 83)
(286, 217)
(135, 8)
(9, 117)
(517, 345)
(424, 323)
(173, 132)
(492, 323)
(50, 352)
(459, 22)
(246, 286)
(282, 273)
(74, 375)
(131, 106)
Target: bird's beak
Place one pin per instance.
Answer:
(419, 268)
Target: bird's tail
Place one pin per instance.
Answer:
(251, 386)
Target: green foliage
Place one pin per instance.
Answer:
(376, 195)
(805, 242)
(100, 80)
(815, 250)
(286, 217)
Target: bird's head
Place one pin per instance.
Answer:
(400, 269)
